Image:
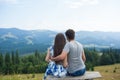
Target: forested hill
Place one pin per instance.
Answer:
(27, 41)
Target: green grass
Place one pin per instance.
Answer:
(109, 72)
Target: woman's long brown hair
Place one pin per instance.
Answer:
(59, 44)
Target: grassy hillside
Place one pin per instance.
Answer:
(22, 77)
(109, 72)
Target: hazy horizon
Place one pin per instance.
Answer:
(60, 15)
(57, 30)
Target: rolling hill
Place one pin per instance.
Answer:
(27, 41)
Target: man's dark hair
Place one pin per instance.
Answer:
(70, 34)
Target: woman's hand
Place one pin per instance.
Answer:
(47, 59)
(52, 58)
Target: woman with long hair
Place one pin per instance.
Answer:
(56, 68)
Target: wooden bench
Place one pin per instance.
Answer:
(89, 75)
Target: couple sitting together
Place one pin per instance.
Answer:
(65, 58)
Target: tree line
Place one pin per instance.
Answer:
(13, 63)
(103, 57)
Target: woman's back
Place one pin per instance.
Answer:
(56, 68)
(59, 44)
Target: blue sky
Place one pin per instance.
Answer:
(90, 15)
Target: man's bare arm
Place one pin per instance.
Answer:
(62, 56)
(83, 56)
(65, 62)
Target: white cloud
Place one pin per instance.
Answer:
(8, 1)
(9, 35)
(75, 4)
(79, 3)
(93, 2)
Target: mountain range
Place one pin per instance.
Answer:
(27, 41)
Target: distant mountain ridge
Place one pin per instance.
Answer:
(27, 41)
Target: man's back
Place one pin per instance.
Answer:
(75, 61)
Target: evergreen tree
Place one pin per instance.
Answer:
(7, 67)
(112, 58)
(36, 57)
(36, 54)
(13, 62)
(17, 59)
(1, 63)
(13, 58)
(105, 59)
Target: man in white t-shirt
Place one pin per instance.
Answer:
(74, 52)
